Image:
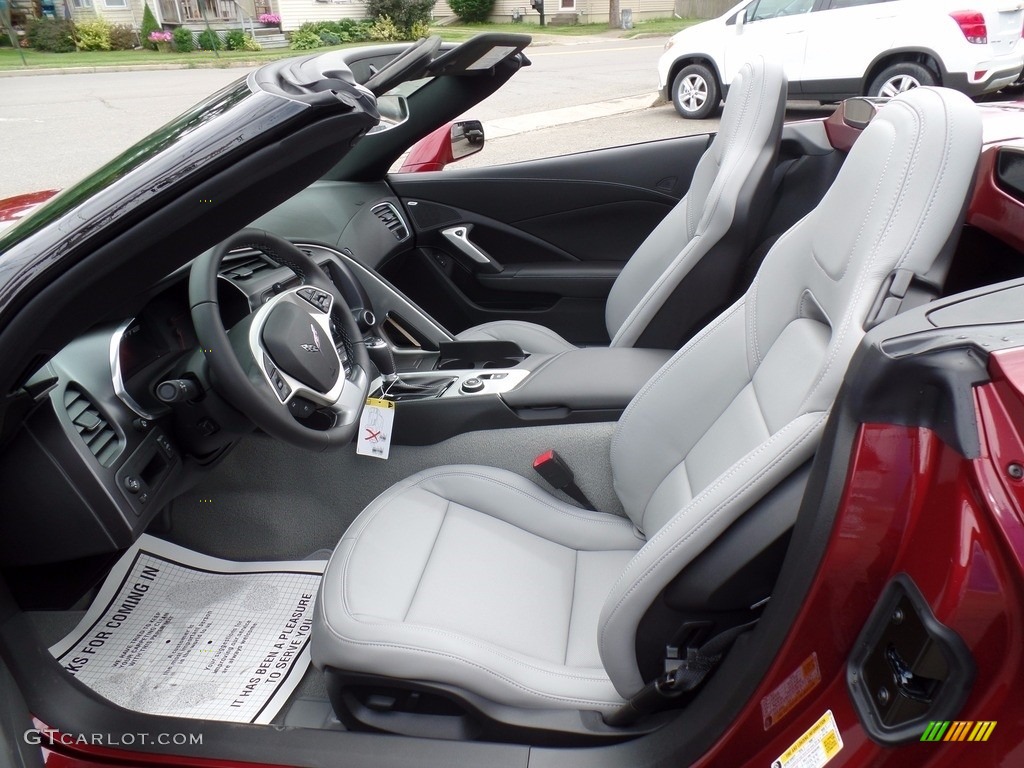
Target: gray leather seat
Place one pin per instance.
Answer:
(727, 194)
(478, 580)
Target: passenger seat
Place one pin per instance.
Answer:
(690, 266)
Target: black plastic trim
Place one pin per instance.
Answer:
(922, 380)
(950, 694)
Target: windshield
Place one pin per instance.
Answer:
(156, 142)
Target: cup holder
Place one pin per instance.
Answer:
(472, 355)
(507, 362)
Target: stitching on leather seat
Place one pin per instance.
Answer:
(653, 567)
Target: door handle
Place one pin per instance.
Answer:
(458, 236)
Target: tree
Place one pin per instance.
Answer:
(614, 14)
(148, 25)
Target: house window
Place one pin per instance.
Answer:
(82, 3)
(115, 3)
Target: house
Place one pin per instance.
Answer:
(295, 13)
(193, 14)
(567, 11)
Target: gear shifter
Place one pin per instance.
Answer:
(391, 386)
(382, 357)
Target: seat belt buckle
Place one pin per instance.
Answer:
(559, 476)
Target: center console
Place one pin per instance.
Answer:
(493, 385)
(444, 387)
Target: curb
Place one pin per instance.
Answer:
(233, 64)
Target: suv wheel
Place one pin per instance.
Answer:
(901, 77)
(695, 92)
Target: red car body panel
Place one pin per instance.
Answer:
(431, 153)
(913, 505)
(14, 208)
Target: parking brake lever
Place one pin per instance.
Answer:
(481, 261)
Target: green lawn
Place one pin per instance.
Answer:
(10, 58)
(656, 26)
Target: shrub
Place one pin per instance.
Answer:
(123, 37)
(419, 29)
(51, 35)
(183, 40)
(385, 30)
(250, 44)
(355, 31)
(472, 10)
(93, 35)
(269, 18)
(210, 40)
(149, 26)
(159, 36)
(305, 40)
(402, 13)
(329, 38)
(234, 40)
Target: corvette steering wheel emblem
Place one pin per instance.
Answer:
(315, 346)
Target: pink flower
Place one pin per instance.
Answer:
(269, 18)
(160, 37)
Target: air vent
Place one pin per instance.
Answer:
(92, 426)
(244, 270)
(391, 219)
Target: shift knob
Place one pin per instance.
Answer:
(382, 357)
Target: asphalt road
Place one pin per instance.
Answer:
(55, 129)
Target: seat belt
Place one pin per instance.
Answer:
(553, 468)
(673, 683)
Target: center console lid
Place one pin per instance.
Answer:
(594, 378)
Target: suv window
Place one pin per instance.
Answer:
(769, 9)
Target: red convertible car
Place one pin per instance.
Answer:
(706, 451)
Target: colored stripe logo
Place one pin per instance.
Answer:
(958, 730)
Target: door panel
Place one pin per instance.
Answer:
(775, 29)
(845, 40)
(546, 237)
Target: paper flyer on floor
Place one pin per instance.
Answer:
(173, 632)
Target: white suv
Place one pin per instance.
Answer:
(833, 49)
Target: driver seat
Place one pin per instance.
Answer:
(476, 581)
(683, 273)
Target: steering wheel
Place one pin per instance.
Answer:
(282, 362)
(407, 65)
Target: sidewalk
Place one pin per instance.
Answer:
(540, 39)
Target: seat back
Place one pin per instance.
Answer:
(688, 267)
(743, 404)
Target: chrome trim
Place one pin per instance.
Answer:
(116, 378)
(459, 237)
(511, 378)
(345, 397)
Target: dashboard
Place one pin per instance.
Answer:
(99, 454)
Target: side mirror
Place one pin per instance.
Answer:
(450, 142)
(467, 138)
